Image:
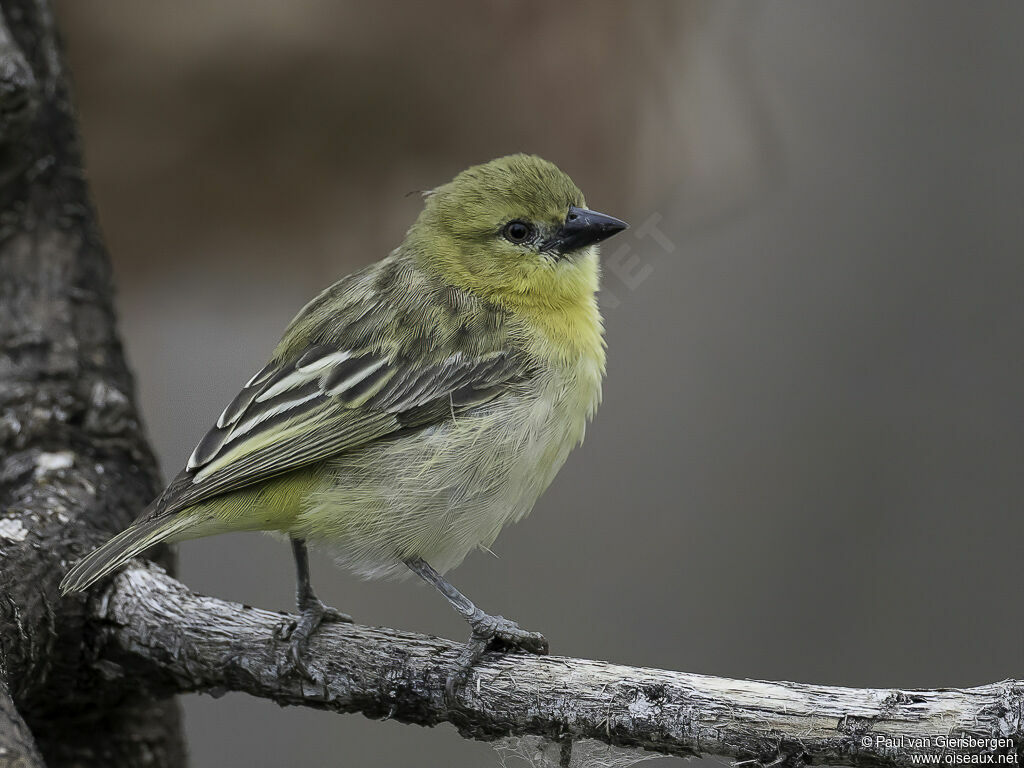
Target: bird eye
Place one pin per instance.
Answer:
(517, 231)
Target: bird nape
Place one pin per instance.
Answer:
(414, 407)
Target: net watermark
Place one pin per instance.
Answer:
(961, 749)
(629, 267)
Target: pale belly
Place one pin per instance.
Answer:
(443, 492)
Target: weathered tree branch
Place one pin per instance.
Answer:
(154, 630)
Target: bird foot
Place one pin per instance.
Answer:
(503, 634)
(490, 633)
(298, 633)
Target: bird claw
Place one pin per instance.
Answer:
(505, 635)
(334, 616)
(490, 633)
(298, 634)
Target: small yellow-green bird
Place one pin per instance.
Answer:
(416, 406)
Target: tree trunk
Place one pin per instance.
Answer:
(74, 462)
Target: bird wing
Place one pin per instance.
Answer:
(327, 400)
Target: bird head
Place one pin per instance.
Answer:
(516, 231)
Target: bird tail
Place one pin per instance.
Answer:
(122, 548)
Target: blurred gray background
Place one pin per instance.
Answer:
(808, 464)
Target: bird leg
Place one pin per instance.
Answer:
(488, 632)
(312, 610)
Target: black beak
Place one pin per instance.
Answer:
(582, 227)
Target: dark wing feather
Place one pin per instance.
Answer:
(329, 400)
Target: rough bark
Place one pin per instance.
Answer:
(17, 747)
(151, 634)
(74, 463)
(154, 629)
